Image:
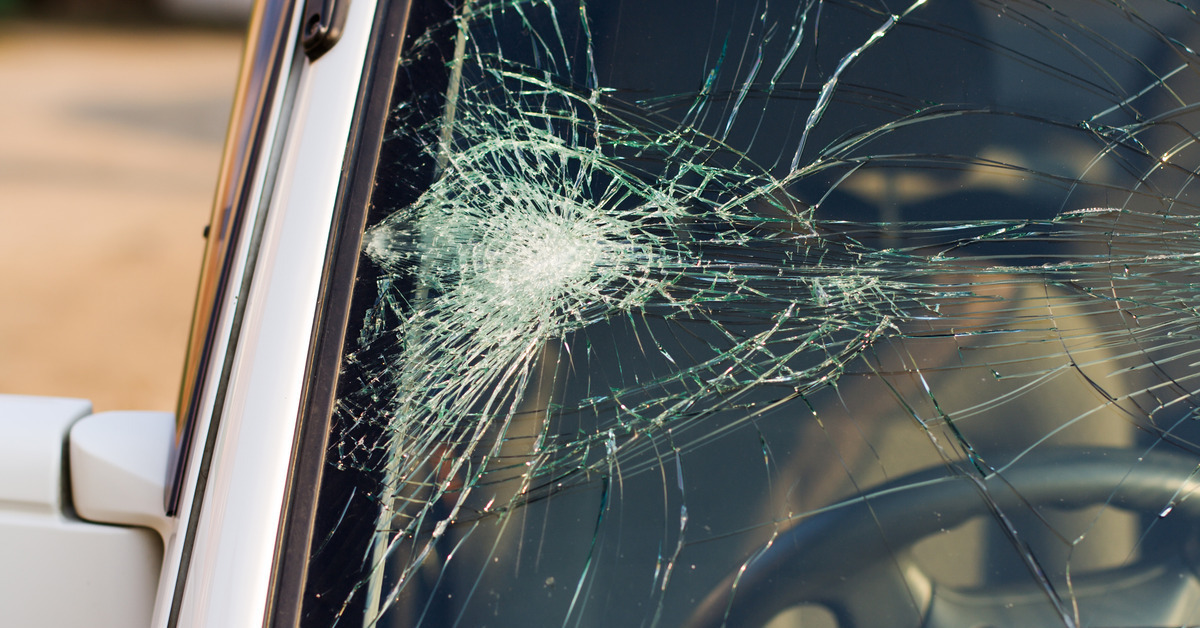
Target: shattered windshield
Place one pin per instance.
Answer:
(774, 313)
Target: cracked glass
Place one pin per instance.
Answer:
(774, 313)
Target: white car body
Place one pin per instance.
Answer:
(125, 561)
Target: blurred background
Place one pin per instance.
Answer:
(112, 120)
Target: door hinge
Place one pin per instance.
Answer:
(322, 25)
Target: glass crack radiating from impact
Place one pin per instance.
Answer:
(775, 313)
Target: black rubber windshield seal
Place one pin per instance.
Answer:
(289, 574)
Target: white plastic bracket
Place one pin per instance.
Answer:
(118, 463)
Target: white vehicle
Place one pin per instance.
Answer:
(664, 313)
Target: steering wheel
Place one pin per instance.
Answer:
(856, 561)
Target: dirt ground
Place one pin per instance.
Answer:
(110, 142)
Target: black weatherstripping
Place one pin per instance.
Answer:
(290, 573)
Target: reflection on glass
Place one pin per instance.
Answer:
(691, 313)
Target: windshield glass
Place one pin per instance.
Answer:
(747, 313)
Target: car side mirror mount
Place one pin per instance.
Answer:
(60, 465)
(118, 464)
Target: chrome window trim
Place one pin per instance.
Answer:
(258, 105)
(248, 165)
(238, 522)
